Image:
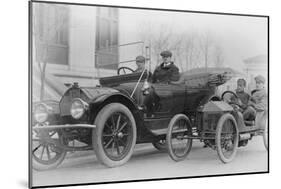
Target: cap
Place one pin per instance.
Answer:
(260, 79)
(241, 80)
(166, 53)
(140, 59)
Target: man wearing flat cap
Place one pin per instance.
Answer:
(258, 99)
(167, 71)
(140, 61)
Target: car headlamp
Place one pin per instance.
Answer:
(78, 108)
(41, 112)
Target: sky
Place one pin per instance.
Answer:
(241, 37)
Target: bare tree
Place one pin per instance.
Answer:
(159, 37)
(206, 42)
(218, 56)
(43, 34)
(176, 46)
(190, 49)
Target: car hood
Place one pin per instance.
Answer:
(95, 92)
(87, 94)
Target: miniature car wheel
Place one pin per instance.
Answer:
(160, 145)
(129, 70)
(46, 154)
(265, 135)
(114, 137)
(227, 138)
(178, 138)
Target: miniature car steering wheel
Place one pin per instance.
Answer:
(229, 100)
(124, 70)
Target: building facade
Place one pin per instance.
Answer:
(257, 65)
(78, 44)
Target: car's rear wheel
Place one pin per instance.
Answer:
(178, 138)
(46, 154)
(227, 137)
(115, 134)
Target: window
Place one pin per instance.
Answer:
(51, 33)
(107, 38)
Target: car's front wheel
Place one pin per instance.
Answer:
(115, 134)
(227, 137)
(46, 154)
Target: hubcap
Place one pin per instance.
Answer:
(120, 135)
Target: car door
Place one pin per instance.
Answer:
(170, 99)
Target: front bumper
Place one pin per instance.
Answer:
(65, 126)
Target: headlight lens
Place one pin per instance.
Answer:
(78, 108)
(41, 113)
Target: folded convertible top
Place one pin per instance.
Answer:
(206, 77)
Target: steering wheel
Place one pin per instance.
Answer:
(124, 70)
(230, 101)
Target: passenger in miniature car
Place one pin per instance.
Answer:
(243, 97)
(167, 71)
(140, 61)
(258, 99)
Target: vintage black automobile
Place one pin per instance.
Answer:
(126, 110)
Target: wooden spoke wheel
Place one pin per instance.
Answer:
(46, 154)
(265, 135)
(115, 135)
(178, 138)
(227, 138)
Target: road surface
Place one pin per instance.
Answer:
(148, 163)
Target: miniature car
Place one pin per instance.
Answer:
(217, 123)
(122, 111)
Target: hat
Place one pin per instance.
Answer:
(140, 59)
(166, 53)
(241, 80)
(260, 79)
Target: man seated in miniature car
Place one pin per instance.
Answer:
(140, 62)
(167, 71)
(243, 97)
(258, 100)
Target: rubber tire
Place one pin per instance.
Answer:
(224, 118)
(159, 146)
(169, 135)
(97, 133)
(42, 167)
(265, 135)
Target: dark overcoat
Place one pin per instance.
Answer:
(166, 74)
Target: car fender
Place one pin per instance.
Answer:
(207, 99)
(99, 102)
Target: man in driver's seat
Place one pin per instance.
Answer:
(243, 97)
(140, 62)
(167, 71)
